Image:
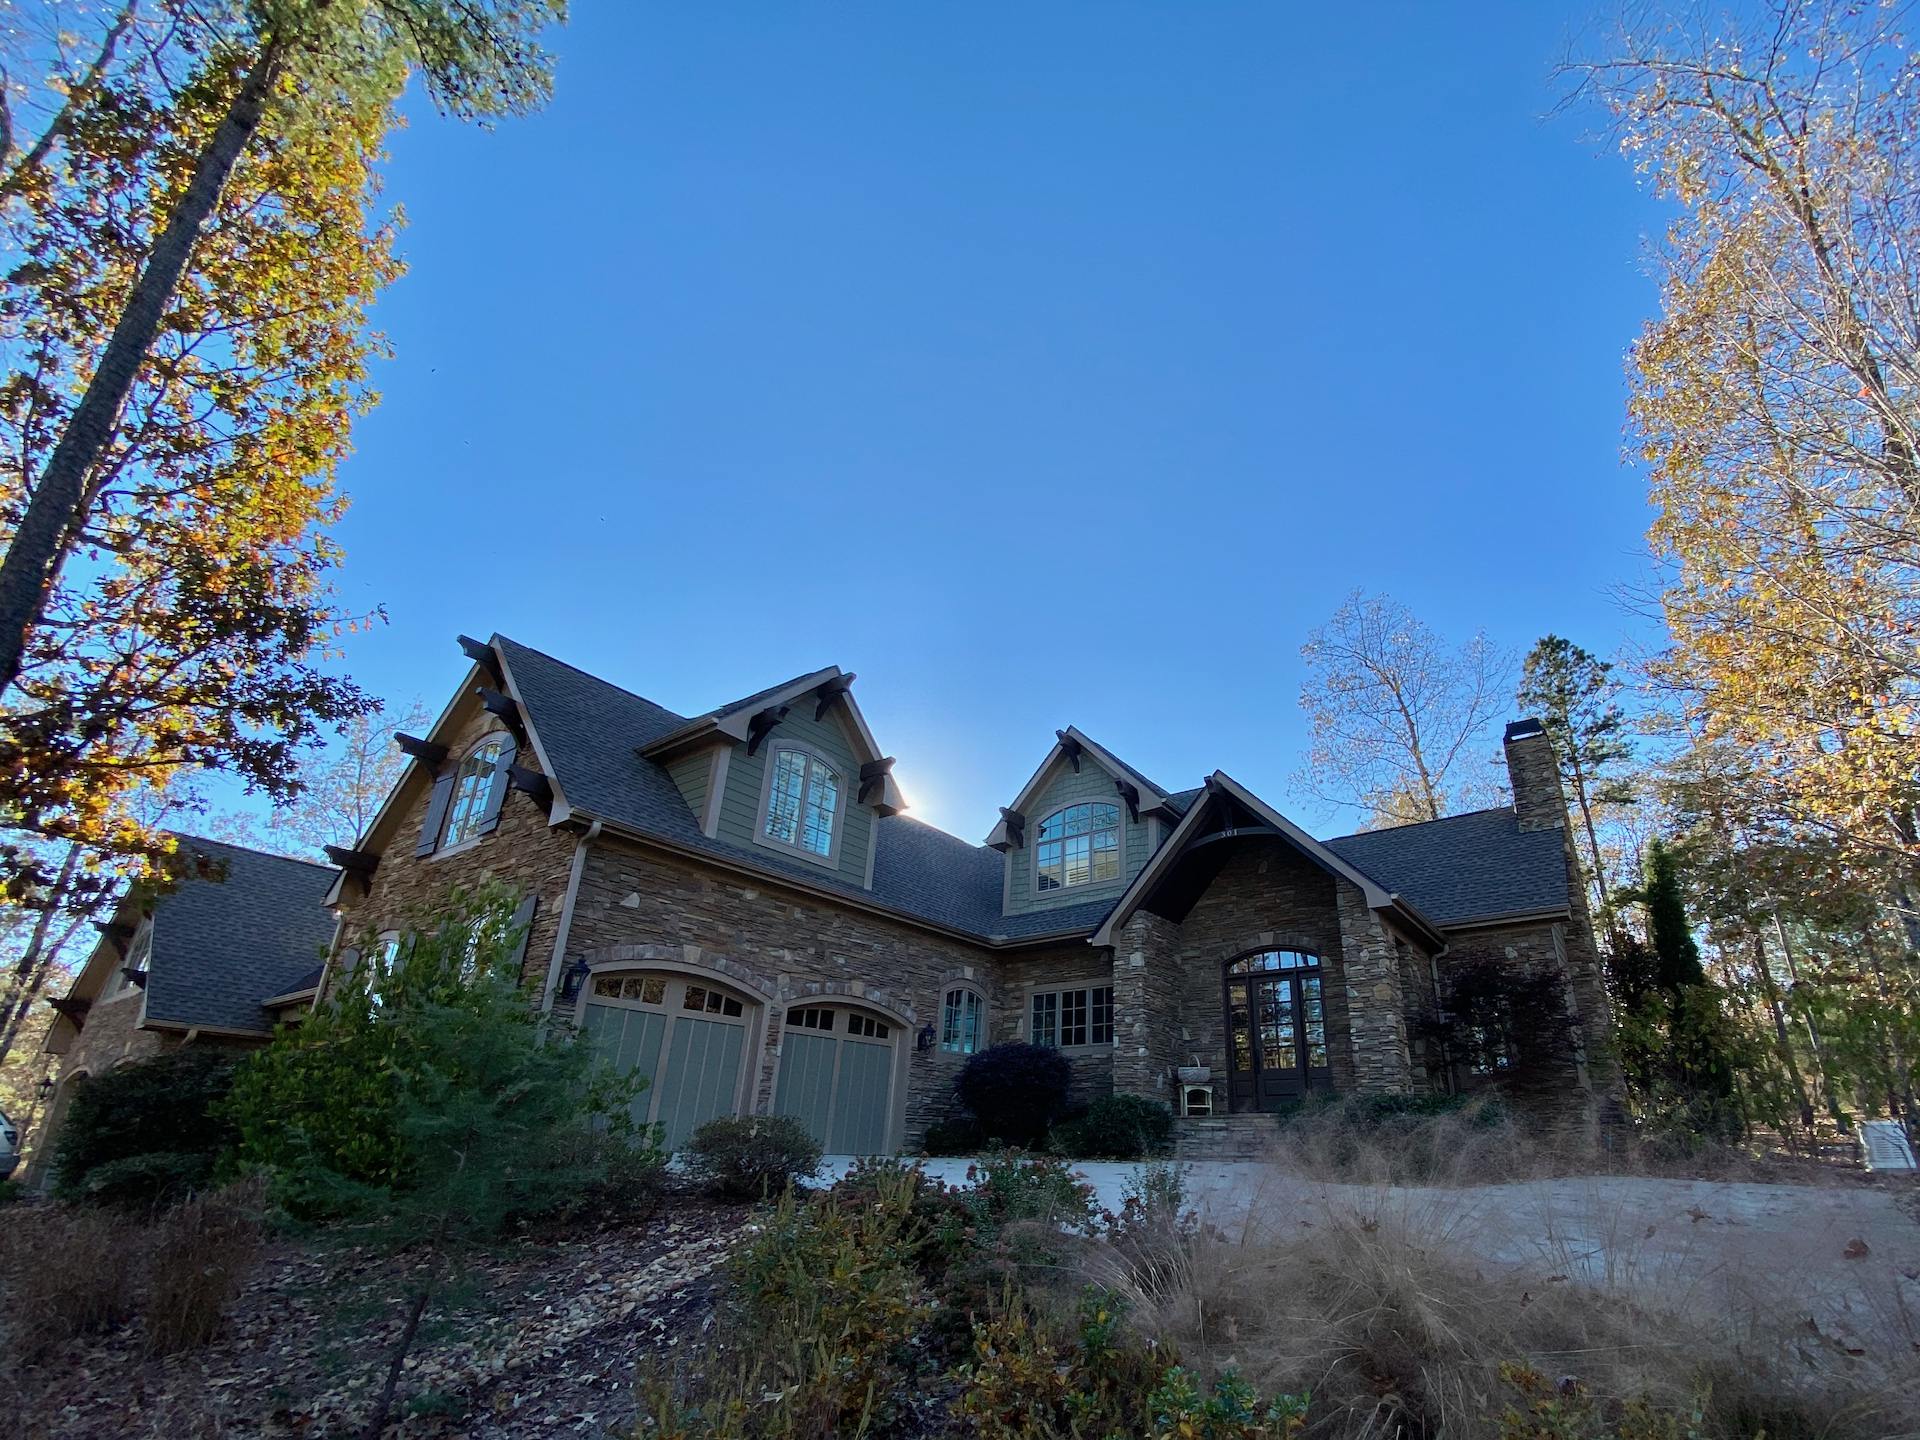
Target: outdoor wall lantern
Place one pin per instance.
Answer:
(925, 1038)
(44, 1088)
(574, 976)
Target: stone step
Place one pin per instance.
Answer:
(1222, 1137)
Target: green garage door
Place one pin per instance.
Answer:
(836, 1077)
(688, 1038)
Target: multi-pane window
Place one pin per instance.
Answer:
(960, 1017)
(810, 1018)
(1066, 1018)
(470, 788)
(803, 802)
(711, 1002)
(1079, 845)
(647, 989)
(866, 1025)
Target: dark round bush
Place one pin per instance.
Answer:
(1016, 1091)
(1116, 1127)
(158, 1123)
(749, 1157)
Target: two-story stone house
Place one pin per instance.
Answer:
(733, 904)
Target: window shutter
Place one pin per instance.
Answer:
(497, 790)
(521, 926)
(436, 813)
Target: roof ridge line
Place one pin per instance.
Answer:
(193, 839)
(597, 679)
(1416, 824)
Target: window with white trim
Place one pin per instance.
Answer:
(962, 1021)
(471, 786)
(139, 951)
(1066, 1019)
(803, 801)
(1079, 845)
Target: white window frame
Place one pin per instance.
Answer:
(1060, 997)
(138, 957)
(449, 842)
(813, 754)
(1091, 882)
(966, 992)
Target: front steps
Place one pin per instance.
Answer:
(1223, 1137)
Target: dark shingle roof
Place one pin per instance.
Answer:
(1457, 869)
(1464, 867)
(222, 946)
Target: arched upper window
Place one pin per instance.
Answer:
(1273, 960)
(803, 802)
(1079, 845)
(962, 1021)
(472, 784)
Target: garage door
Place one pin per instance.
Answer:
(687, 1037)
(836, 1077)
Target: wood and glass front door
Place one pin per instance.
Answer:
(1276, 1030)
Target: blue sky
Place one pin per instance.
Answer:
(1044, 364)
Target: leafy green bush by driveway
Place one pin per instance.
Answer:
(749, 1157)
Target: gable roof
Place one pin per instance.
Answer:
(591, 735)
(1466, 868)
(221, 947)
(1069, 742)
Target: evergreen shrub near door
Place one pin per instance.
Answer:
(1016, 1091)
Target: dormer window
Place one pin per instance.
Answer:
(471, 787)
(802, 809)
(1079, 845)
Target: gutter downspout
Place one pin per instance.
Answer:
(565, 928)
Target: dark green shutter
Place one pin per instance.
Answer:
(436, 813)
(497, 789)
(521, 927)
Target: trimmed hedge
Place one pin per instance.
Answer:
(750, 1157)
(1115, 1127)
(148, 1133)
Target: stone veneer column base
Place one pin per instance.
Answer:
(1146, 987)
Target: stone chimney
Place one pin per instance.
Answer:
(1538, 801)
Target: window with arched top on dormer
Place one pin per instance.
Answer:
(1077, 845)
(802, 807)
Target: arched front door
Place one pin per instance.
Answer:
(1276, 1029)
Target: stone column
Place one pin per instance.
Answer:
(1376, 997)
(1146, 987)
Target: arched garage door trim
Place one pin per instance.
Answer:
(751, 992)
(901, 1039)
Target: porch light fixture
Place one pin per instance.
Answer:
(44, 1088)
(924, 1040)
(573, 977)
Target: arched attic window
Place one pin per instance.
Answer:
(1077, 845)
(466, 800)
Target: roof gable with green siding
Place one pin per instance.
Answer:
(746, 784)
(1063, 786)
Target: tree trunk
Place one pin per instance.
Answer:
(30, 973)
(383, 1407)
(33, 557)
(1781, 1037)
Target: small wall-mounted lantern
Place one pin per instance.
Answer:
(572, 978)
(924, 1040)
(44, 1088)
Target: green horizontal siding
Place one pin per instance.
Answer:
(691, 775)
(740, 805)
(1064, 787)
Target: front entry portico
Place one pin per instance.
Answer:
(1276, 1022)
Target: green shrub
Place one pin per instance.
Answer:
(748, 1157)
(148, 1132)
(818, 1331)
(1010, 1186)
(1115, 1127)
(1016, 1091)
(960, 1135)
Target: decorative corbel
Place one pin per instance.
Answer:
(481, 653)
(429, 753)
(533, 783)
(832, 690)
(507, 708)
(355, 862)
(116, 934)
(1071, 748)
(876, 775)
(762, 725)
(1131, 794)
(1016, 826)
